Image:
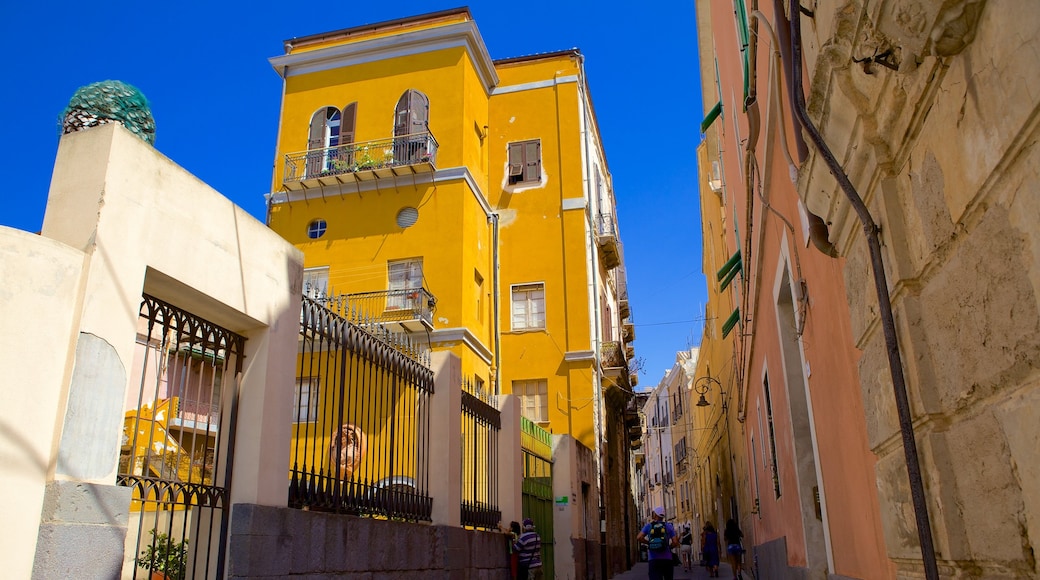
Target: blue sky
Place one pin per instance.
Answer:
(215, 99)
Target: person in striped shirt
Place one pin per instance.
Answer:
(529, 548)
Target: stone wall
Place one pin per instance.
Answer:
(943, 149)
(271, 542)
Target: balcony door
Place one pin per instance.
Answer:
(411, 127)
(330, 132)
(406, 282)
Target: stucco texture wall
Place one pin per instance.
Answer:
(944, 152)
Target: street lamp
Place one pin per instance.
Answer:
(702, 386)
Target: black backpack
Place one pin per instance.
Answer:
(658, 536)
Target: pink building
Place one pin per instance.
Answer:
(814, 506)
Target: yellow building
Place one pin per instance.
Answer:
(468, 203)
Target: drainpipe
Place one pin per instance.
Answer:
(870, 229)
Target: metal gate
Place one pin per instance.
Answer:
(537, 498)
(178, 443)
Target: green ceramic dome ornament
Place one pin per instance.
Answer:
(107, 102)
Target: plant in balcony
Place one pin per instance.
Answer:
(364, 159)
(388, 157)
(165, 558)
(341, 165)
(426, 158)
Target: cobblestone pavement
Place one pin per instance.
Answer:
(639, 572)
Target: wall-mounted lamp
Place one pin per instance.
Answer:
(702, 386)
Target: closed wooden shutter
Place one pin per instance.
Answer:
(316, 136)
(401, 115)
(532, 161)
(516, 159)
(346, 131)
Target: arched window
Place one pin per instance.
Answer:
(330, 133)
(411, 127)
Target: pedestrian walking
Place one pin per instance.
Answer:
(734, 546)
(686, 548)
(529, 553)
(659, 537)
(710, 549)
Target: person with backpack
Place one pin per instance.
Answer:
(529, 551)
(659, 537)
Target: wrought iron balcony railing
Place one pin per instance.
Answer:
(606, 239)
(612, 356)
(405, 154)
(410, 309)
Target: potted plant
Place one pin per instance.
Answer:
(165, 558)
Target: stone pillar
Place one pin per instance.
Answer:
(510, 460)
(445, 452)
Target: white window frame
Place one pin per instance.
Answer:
(316, 282)
(402, 276)
(534, 399)
(305, 393)
(527, 306)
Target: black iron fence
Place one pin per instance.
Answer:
(361, 419)
(399, 151)
(481, 423)
(178, 443)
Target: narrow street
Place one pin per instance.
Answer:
(640, 572)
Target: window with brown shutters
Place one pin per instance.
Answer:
(525, 161)
(411, 126)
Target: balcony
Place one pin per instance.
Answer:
(628, 330)
(607, 241)
(624, 310)
(362, 161)
(406, 310)
(612, 358)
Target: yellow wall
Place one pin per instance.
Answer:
(541, 242)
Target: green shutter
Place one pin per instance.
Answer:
(744, 37)
(712, 115)
(727, 326)
(729, 270)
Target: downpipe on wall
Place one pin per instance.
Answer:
(870, 230)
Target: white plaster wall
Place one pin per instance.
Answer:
(147, 224)
(38, 298)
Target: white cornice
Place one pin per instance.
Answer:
(579, 355)
(534, 85)
(464, 336)
(462, 34)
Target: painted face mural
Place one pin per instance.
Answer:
(346, 450)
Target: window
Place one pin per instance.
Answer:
(411, 127)
(328, 136)
(478, 287)
(525, 161)
(529, 307)
(305, 404)
(316, 229)
(534, 399)
(772, 438)
(405, 284)
(316, 282)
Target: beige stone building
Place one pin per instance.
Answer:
(932, 109)
(915, 147)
